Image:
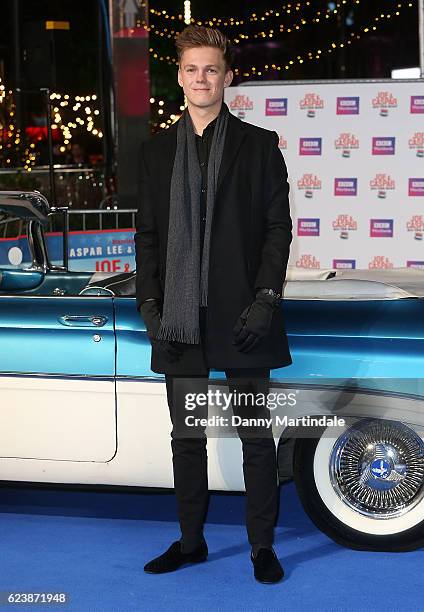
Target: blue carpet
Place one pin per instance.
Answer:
(93, 546)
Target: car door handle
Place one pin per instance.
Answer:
(83, 320)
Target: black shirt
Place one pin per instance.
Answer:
(204, 143)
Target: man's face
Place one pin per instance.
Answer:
(202, 76)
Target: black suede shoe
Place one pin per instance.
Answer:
(173, 558)
(267, 567)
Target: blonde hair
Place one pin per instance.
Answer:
(201, 36)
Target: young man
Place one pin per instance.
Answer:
(212, 245)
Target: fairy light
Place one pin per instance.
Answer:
(65, 109)
(74, 104)
(13, 149)
(187, 12)
(295, 26)
(2, 92)
(166, 119)
(240, 37)
(232, 21)
(377, 21)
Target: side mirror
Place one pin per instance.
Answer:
(20, 280)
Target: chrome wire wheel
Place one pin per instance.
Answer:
(362, 483)
(377, 468)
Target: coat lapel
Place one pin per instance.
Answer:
(236, 131)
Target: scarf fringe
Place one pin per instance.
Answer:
(171, 333)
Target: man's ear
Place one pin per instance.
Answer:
(179, 77)
(228, 78)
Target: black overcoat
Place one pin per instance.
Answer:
(250, 241)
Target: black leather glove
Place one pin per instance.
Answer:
(151, 315)
(254, 322)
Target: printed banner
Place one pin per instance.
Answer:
(355, 158)
(96, 251)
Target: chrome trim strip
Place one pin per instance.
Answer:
(60, 376)
(141, 378)
(219, 381)
(305, 387)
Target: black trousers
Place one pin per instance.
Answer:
(189, 455)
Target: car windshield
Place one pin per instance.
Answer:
(14, 251)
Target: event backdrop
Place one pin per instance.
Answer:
(355, 158)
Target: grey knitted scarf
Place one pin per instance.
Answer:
(186, 283)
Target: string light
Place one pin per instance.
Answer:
(317, 18)
(72, 121)
(165, 119)
(241, 37)
(171, 61)
(310, 55)
(318, 54)
(187, 12)
(288, 9)
(12, 147)
(2, 92)
(294, 27)
(162, 32)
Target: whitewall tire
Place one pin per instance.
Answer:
(363, 484)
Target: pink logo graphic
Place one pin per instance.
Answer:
(384, 100)
(311, 102)
(344, 264)
(380, 262)
(381, 228)
(309, 182)
(310, 146)
(345, 186)
(347, 105)
(417, 142)
(417, 104)
(416, 225)
(308, 227)
(308, 261)
(383, 145)
(346, 141)
(416, 186)
(275, 106)
(382, 183)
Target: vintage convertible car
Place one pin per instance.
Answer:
(80, 405)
